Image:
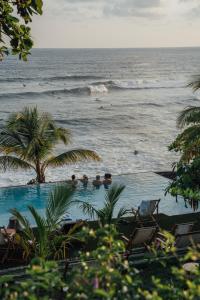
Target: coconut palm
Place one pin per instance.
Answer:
(188, 142)
(46, 240)
(28, 141)
(105, 215)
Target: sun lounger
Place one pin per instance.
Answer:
(146, 211)
(141, 237)
(6, 241)
(184, 241)
(182, 228)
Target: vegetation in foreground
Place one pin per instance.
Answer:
(47, 241)
(187, 144)
(28, 141)
(106, 274)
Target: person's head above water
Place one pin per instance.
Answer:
(98, 177)
(73, 177)
(107, 176)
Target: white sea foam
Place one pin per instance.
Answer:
(97, 89)
(148, 83)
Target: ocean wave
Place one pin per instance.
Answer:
(85, 90)
(97, 121)
(51, 78)
(151, 104)
(94, 88)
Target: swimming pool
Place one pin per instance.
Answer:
(140, 186)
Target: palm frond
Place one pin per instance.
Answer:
(71, 157)
(106, 214)
(27, 231)
(89, 209)
(59, 201)
(195, 84)
(113, 194)
(40, 221)
(187, 143)
(121, 213)
(41, 232)
(190, 115)
(63, 135)
(10, 141)
(12, 162)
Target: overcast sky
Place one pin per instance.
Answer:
(118, 23)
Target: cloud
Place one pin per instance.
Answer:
(192, 8)
(135, 8)
(84, 10)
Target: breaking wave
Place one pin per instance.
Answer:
(98, 87)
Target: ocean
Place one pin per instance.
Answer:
(122, 103)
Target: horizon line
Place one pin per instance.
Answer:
(151, 47)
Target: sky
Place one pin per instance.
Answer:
(117, 24)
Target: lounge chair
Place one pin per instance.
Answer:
(6, 242)
(182, 228)
(141, 237)
(146, 211)
(184, 241)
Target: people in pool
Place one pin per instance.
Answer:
(73, 181)
(84, 180)
(107, 179)
(97, 182)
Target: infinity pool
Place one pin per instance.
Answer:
(140, 186)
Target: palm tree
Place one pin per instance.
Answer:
(188, 142)
(28, 140)
(46, 240)
(105, 215)
(190, 115)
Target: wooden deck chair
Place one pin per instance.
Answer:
(145, 212)
(141, 237)
(184, 241)
(182, 228)
(6, 242)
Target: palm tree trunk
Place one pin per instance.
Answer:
(40, 173)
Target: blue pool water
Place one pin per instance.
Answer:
(141, 186)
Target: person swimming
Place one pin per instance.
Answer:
(97, 182)
(107, 179)
(84, 180)
(73, 181)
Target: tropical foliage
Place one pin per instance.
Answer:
(110, 277)
(187, 144)
(105, 215)
(28, 141)
(46, 240)
(105, 274)
(14, 17)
